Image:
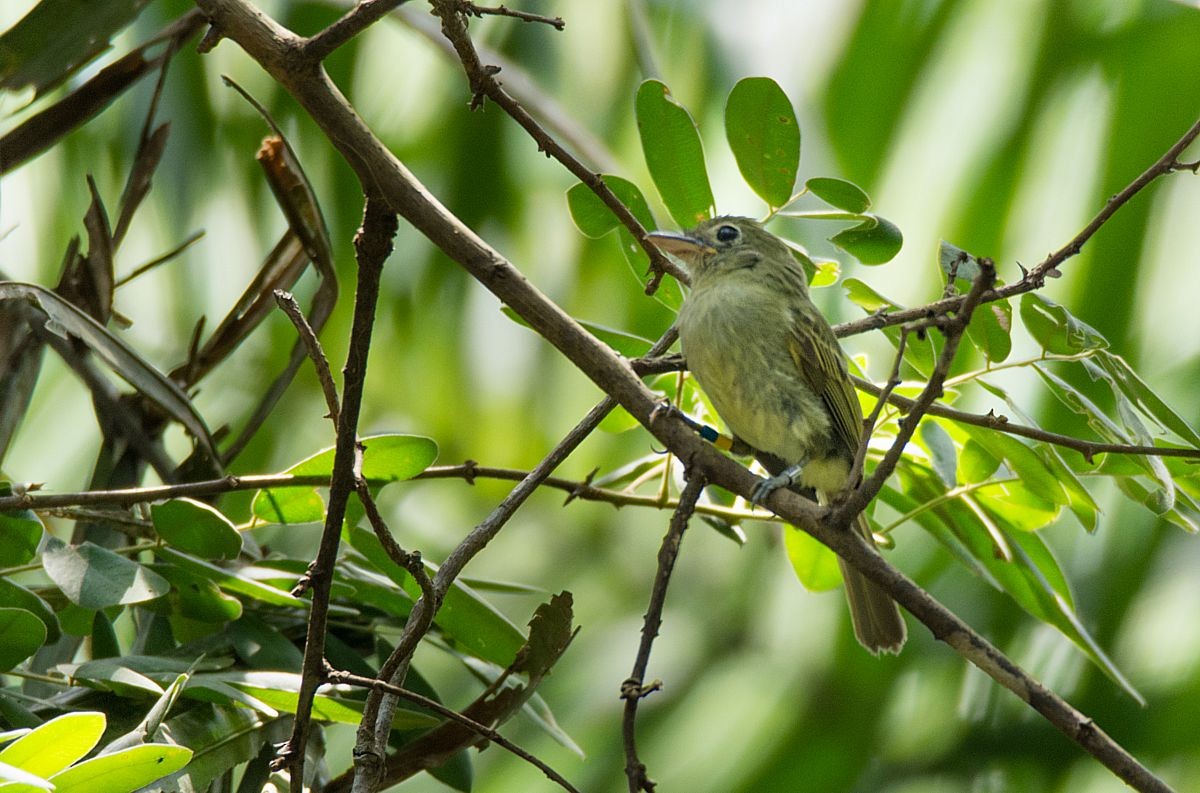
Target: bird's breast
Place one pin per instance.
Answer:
(735, 340)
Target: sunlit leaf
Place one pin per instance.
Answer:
(56, 744)
(123, 771)
(96, 578)
(814, 564)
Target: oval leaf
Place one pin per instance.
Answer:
(815, 565)
(56, 744)
(674, 154)
(874, 241)
(764, 135)
(839, 193)
(20, 535)
(21, 634)
(124, 771)
(96, 578)
(593, 217)
(196, 528)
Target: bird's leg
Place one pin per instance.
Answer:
(785, 478)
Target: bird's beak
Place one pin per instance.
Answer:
(681, 245)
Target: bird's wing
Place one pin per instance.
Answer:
(819, 357)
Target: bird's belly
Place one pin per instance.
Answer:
(753, 383)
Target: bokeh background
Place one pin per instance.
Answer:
(999, 125)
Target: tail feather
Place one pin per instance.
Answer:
(878, 625)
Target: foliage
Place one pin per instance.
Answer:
(174, 613)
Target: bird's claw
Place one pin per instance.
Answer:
(765, 487)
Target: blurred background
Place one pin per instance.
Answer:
(999, 125)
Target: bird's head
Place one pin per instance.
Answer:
(721, 245)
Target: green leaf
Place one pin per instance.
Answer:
(15, 596)
(18, 781)
(839, 193)
(1080, 501)
(957, 263)
(976, 464)
(21, 634)
(261, 646)
(386, 459)
(874, 241)
(815, 565)
(1056, 329)
(764, 135)
(222, 736)
(1023, 461)
(825, 273)
(232, 580)
(56, 744)
(20, 535)
(196, 528)
(288, 505)
(941, 450)
(112, 674)
(65, 319)
(96, 578)
(674, 154)
(867, 298)
(197, 597)
(1138, 392)
(990, 330)
(592, 216)
(473, 623)
(124, 771)
(80, 31)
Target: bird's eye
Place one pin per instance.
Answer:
(728, 233)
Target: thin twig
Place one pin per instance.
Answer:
(954, 329)
(313, 346)
(634, 688)
(364, 14)
(868, 428)
(504, 11)
(1035, 278)
(483, 83)
(335, 676)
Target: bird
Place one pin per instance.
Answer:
(774, 371)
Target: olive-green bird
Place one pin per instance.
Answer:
(774, 371)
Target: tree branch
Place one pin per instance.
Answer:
(482, 730)
(372, 245)
(634, 688)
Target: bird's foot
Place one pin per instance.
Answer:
(766, 487)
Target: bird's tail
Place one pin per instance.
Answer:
(877, 621)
